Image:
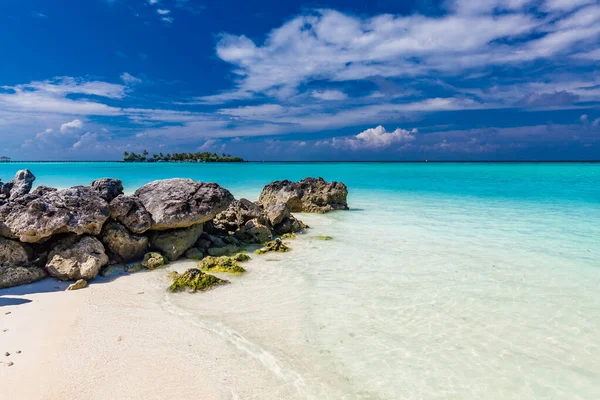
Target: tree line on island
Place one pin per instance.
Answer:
(180, 157)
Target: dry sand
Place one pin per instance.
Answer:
(115, 340)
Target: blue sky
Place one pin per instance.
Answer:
(327, 80)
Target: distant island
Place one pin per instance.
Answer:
(180, 157)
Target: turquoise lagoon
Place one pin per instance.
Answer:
(443, 281)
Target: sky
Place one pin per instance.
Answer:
(301, 80)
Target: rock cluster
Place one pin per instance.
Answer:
(73, 234)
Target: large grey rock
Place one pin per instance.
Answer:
(236, 215)
(21, 184)
(130, 211)
(181, 203)
(276, 213)
(11, 276)
(174, 243)
(76, 257)
(32, 218)
(308, 195)
(107, 188)
(122, 245)
(14, 253)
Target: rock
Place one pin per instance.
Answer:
(31, 219)
(11, 276)
(123, 246)
(115, 269)
(14, 253)
(21, 184)
(236, 215)
(80, 284)
(194, 254)
(76, 257)
(223, 251)
(134, 268)
(42, 190)
(194, 280)
(130, 211)
(176, 242)
(241, 257)
(276, 213)
(181, 203)
(254, 232)
(288, 236)
(289, 225)
(154, 260)
(107, 188)
(308, 195)
(220, 264)
(275, 245)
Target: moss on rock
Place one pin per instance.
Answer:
(221, 264)
(154, 260)
(288, 236)
(275, 246)
(324, 237)
(194, 280)
(241, 257)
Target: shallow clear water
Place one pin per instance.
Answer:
(444, 281)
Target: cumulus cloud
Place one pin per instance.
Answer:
(161, 11)
(75, 124)
(329, 95)
(339, 47)
(371, 139)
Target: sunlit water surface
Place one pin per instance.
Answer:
(444, 281)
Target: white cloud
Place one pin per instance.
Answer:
(161, 11)
(329, 95)
(584, 119)
(75, 124)
(379, 137)
(153, 1)
(168, 20)
(129, 79)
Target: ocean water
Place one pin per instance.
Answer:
(443, 281)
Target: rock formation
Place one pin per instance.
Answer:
(308, 195)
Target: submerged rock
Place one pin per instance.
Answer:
(308, 195)
(107, 188)
(76, 257)
(194, 280)
(176, 242)
(154, 260)
(122, 245)
(32, 219)
(221, 264)
(181, 203)
(276, 245)
(14, 275)
(130, 211)
(80, 284)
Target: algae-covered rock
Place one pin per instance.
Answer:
(80, 284)
(220, 264)
(273, 246)
(137, 267)
(241, 257)
(288, 236)
(324, 237)
(194, 280)
(154, 260)
(194, 254)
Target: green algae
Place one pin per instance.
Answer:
(325, 237)
(221, 264)
(273, 246)
(288, 236)
(194, 280)
(154, 260)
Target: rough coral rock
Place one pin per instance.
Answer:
(154, 260)
(76, 257)
(14, 253)
(181, 203)
(308, 195)
(122, 245)
(79, 284)
(221, 264)
(176, 242)
(107, 188)
(276, 245)
(16, 275)
(254, 232)
(130, 211)
(31, 218)
(21, 184)
(236, 215)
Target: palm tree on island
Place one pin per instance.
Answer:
(180, 157)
